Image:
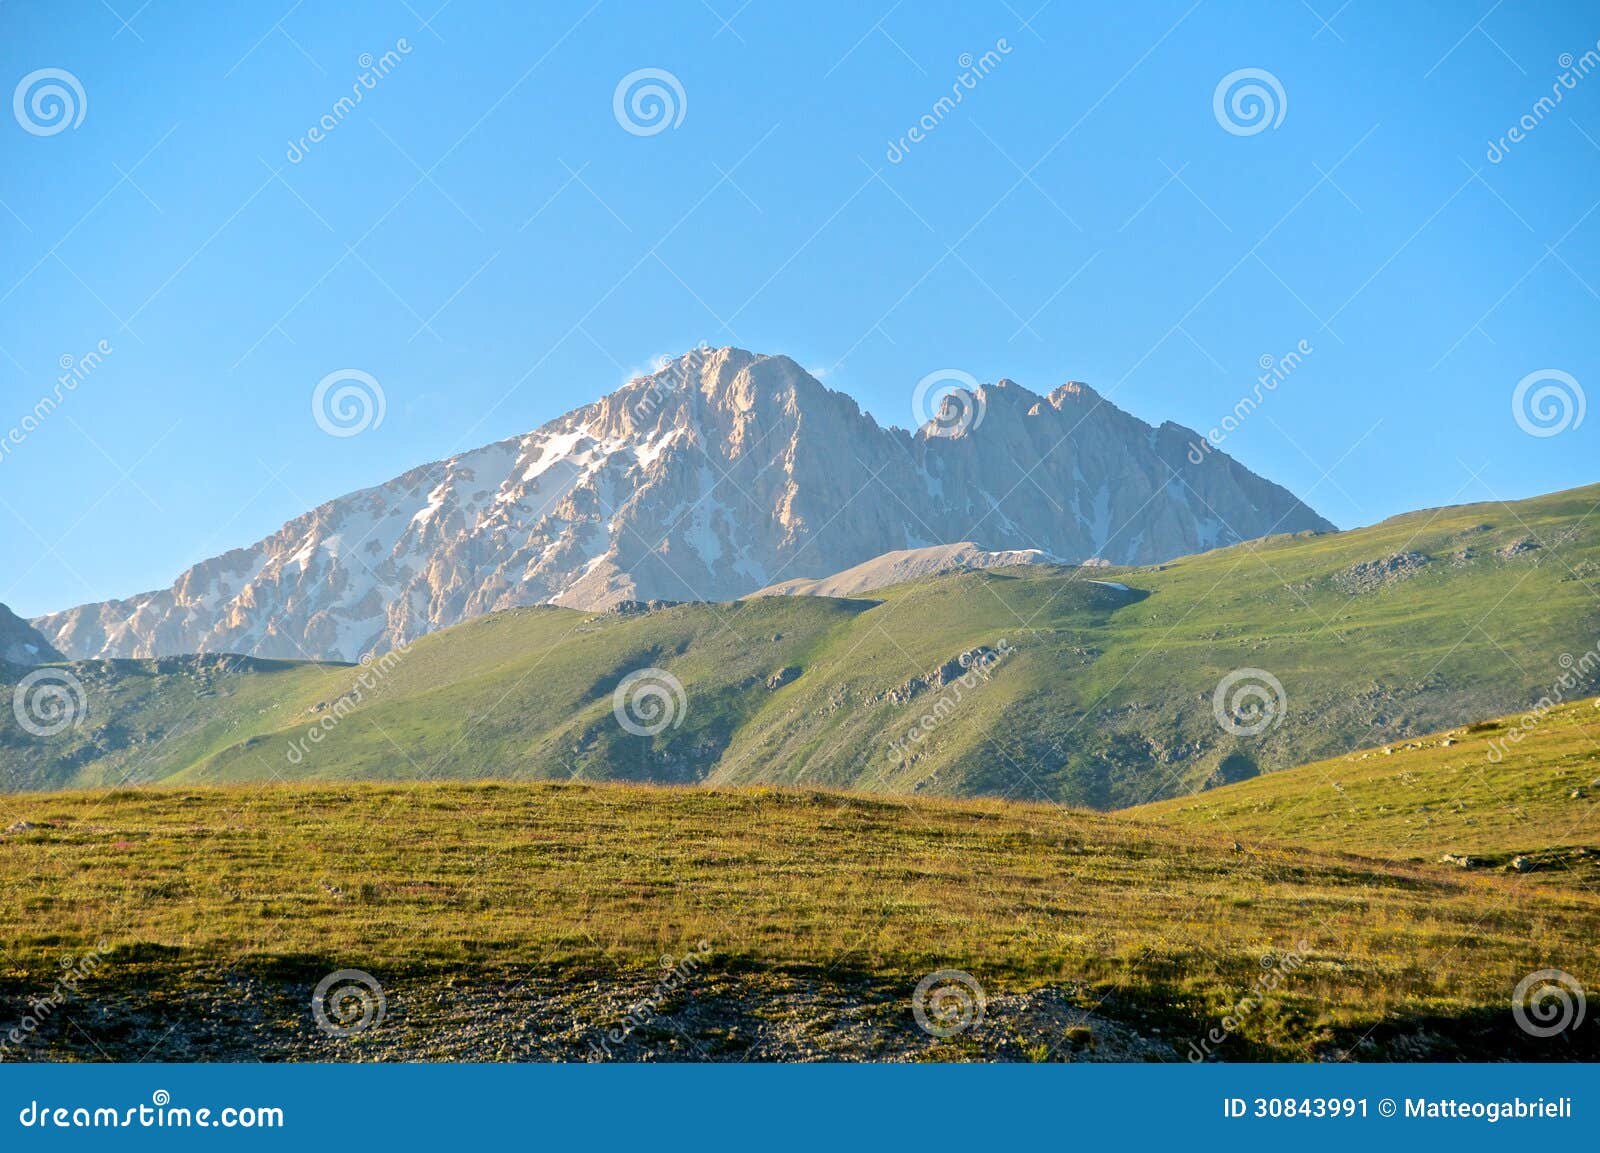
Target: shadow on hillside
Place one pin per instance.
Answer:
(148, 1005)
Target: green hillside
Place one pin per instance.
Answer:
(1073, 690)
(1520, 793)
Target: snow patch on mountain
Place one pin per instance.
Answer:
(720, 474)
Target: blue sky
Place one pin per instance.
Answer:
(483, 237)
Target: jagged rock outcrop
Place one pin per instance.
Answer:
(21, 643)
(721, 474)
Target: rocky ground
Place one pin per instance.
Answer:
(640, 1017)
(710, 1017)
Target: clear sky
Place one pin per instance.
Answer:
(484, 236)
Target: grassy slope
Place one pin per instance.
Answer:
(1105, 700)
(144, 720)
(1522, 785)
(500, 878)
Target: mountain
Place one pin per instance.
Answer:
(903, 565)
(723, 473)
(21, 643)
(1033, 682)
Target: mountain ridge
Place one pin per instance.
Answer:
(718, 475)
(21, 643)
(1035, 681)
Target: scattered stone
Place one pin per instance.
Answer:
(1517, 548)
(1369, 576)
(22, 827)
(633, 607)
(973, 664)
(1521, 864)
(1461, 860)
(782, 677)
(537, 1016)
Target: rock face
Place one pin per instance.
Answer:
(21, 643)
(893, 568)
(723, 473)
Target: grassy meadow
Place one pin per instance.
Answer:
(1160, 931)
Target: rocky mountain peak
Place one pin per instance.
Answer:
(720, 473)
(1073, 392)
